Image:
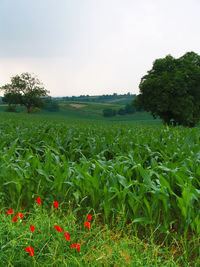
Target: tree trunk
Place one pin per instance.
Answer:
(29, 109)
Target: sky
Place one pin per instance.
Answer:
(93, 47)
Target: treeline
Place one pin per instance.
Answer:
(50, 105)
(109, 112)
(99, 99)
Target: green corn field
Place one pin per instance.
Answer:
(144, 175)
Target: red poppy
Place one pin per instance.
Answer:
(19, 215)
(58, 228)
(32, 227)
(38, 201)
(87, 224)
(10, 211)
(89, 217)
(56, 204)
(77, 246)
(30, 250)
(67, 236)
(16, 216)
(15, 219)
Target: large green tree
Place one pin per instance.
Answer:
(171, 90)
(24, 89)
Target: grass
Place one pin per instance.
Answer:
(100, 246)
(91, 111)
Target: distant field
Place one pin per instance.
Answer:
(89, 110)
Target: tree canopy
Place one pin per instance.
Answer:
(24, 89)
(171, 90)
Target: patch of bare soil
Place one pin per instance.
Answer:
(116, 100)
(77, 105)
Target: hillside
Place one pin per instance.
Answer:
(89, 110)
(95, 111)
(119, 99)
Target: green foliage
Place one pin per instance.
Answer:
(146, 174)
(24, 90)
(35, 110)
(114, 98)
(121, 111)
(100, 246)
(108, 112)
(129, 109)
(11, 108)
(51, 105)
(171, 90)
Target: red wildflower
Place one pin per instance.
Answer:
(58, 228)
(56, 204)
(77, 246)
(67, 236)
(38, 201)
(32, 227)
(16, 216)
(30, 250)
(15, 219)
(87, 224)
(89, 217)
(10, 211)
(19, 215)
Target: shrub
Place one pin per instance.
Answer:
(109, 112)
(11, 108)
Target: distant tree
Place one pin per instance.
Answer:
(109, 112)
(121, 111)
(171, 90)
(50, 105)
(130, 109)
(25, 90)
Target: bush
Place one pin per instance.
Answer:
(130, 109)
(109, 112)
(122, 111)
(35, 110)
(11, 108)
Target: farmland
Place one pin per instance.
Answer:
(139, 176)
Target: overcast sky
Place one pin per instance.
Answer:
(93, 46)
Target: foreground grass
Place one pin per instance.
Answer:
(100, 245)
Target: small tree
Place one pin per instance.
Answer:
(171, 90)
(25, 90)
(122, 111)
(130, 109)
(109, 112)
